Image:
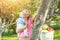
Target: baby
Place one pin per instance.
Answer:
(21, 22)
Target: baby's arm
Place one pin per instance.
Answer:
(20, 30)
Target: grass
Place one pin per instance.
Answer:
(57, 35)
(14, 37)
(11, 37)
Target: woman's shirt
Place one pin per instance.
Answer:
(30, 22)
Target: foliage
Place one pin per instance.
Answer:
(8, 32)
(9, 10)
(58, 7)
(15, 6)
(14, 37)
(55, 22)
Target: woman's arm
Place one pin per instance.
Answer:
(34, 16)
(20, 30)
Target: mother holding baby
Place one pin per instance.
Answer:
(24, 25)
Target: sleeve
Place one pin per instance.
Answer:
(32, 21)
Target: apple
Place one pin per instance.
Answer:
(45, 27)
(50, 29)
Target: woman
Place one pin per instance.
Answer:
(30, 21)
(21, 28)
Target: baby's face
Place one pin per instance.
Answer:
(22, 15)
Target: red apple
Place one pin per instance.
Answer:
(50, 29)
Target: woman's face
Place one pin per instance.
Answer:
(27, 14)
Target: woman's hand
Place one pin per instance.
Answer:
(26, 24)
(34, 16)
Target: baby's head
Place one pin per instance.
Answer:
(21, 14)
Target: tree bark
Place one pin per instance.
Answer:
(0, 28)
(41, 17)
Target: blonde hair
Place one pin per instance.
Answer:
(26, 10)
(21, 14)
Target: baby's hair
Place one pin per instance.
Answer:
(21, 14)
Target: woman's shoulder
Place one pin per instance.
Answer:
(30, 18)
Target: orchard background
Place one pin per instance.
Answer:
(9, 11)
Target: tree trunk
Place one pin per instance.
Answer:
(0, 28)
(41, 17)
(51, 11)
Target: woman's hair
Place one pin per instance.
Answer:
(26, 10)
